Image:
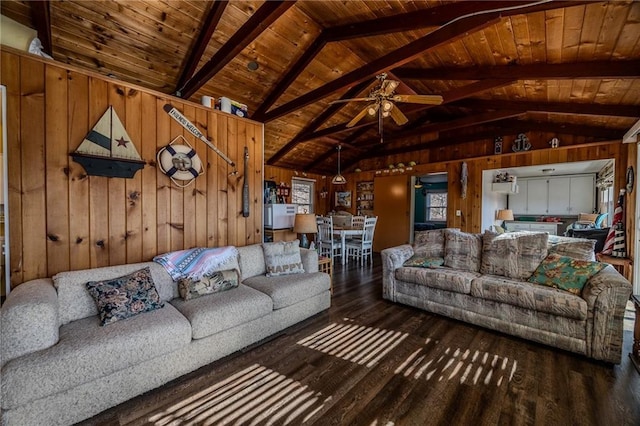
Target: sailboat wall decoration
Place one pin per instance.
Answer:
(107, 150)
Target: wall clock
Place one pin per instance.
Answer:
(630, 179)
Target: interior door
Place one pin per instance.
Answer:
(392, 205)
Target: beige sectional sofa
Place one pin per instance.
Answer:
(487, 286)
(59, 366)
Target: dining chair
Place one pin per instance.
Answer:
(361, 249)
(357, 221)
(328, 244)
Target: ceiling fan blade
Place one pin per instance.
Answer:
(388, 86)
(419, 99)
(398, 116)
(340, 101)
(359, 116)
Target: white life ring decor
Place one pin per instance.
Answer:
(180, 162)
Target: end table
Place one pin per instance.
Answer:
(324, 265)
(635, 350)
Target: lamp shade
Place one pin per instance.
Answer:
(505, 214)
(305, 223)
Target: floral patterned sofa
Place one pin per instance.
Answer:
(543, 288)
(60, 366)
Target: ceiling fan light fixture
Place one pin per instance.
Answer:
(338, 179)
(385, 114)
(371, 111)
(386, 106)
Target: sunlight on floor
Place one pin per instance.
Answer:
(356, 343)
(251, 396)
(472, 367)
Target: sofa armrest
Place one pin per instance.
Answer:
(29, 319)
(606, 294)
(309, 260)
(392, 259)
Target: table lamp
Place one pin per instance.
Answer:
(305, 223)
(505, 214)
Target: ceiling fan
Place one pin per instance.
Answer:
(381, 101)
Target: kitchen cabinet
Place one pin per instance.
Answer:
(560, 196)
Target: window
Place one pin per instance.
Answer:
(436, 206)
(302, 191)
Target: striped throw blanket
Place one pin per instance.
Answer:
(194, 263)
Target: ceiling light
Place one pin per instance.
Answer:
(385, 113)
(339, 179)
(371, 111)
(252, 66)
(386, 105)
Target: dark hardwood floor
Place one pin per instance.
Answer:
(367, 361)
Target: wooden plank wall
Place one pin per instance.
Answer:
(61, 219)
(471, 206)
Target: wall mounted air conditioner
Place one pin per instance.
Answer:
(504, 187)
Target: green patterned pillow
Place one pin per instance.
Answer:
(213, 282)
(424, 261)
(565, 273)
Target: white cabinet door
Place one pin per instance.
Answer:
(559, 193)
(518, 202)
(582, 195)
(537, 196)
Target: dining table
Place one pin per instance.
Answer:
(343, 232)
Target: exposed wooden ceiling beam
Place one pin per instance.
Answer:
(411, 51)
(506, 127)
(268, 13)
(289, 77)
(596, 69)
(450, 96)
(317, 122)
(398, 57)
(434, 16)
(204, 36)
(554, 107)
(442, 126)
(42, 20)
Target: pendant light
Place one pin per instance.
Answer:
(339, 179)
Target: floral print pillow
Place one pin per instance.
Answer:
(565, 273)
(424, 261)
(125, 296)
(212, 282)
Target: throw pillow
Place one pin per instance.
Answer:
(429, 243)
(532, 249)
(213, 282)
(499, 254)
(282, 258)
(125, 296)
(462, 250)
(565, 273)
(424, 262)
(578, 248)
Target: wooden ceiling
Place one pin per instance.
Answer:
(567, 67)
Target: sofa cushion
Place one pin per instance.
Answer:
(251, 259)
(283, 258)
(565, 273)
(75, 301)
(429, 243)
(424, 261)
(443, 278)
(123, 297)
(86, 352)
(529, 296)
(462, 250)
(513, 255)
(221, 311)
(209, 283)
(578, 248)
(288, 290)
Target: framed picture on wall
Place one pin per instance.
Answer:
(343, 199)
